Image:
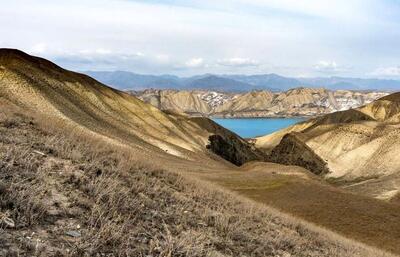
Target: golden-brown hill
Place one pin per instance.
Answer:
(38, 84)
(359, 146)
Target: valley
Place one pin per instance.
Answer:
(264, 128)
(124, 177)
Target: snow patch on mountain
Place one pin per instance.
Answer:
(215, 99)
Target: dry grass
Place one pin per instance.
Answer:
(361, 218)
(52, 183)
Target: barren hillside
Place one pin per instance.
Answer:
(359, 145)
(38, 84)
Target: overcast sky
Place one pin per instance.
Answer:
(289, 37)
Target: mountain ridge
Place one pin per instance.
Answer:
(237, 83)
(295, 102)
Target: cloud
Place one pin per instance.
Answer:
(238, 62)
(253, 34)
(393, 71)
(109, 60)
(330, 67)
(161, 58)
(195, 63)
(38, 48)
(97, 51)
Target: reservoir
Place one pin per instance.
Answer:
(253, 127)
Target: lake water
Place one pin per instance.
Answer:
(248, 127)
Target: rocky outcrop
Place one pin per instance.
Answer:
(227, 144)
(293, 151)
(234, 150)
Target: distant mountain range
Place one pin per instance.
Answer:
(236, 83)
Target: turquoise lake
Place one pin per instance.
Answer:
(249, 127)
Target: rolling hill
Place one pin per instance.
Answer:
(38, 84)
(359, 146)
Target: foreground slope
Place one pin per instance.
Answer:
(92, 161)
(80, 195)
(359, 145)
(37, 83)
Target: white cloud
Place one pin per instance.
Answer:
(103, 51)
(195, 63)
(387, 71)
(338, 9)
(238, 62)
(328, 67)
(97, 51)
(39, 48)
(164, 36)
(161, 58)
(108, 60)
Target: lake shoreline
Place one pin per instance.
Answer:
(255, 127)
(266, 117)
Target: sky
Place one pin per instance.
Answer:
(298, 38)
